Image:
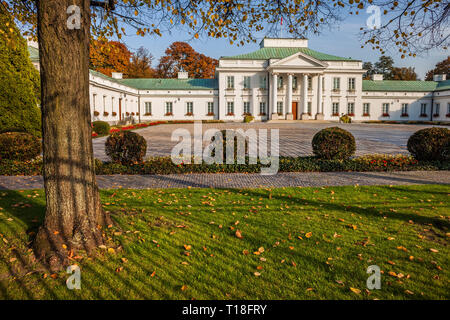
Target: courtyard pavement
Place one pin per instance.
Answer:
(295, 137)
(240, 180)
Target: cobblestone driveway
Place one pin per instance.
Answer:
(295, 137)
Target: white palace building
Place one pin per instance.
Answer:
(284, 79)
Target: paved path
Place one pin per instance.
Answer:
(295, 137)
(239, 180)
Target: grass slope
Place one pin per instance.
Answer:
(318, 243)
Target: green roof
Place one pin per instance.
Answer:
(170, 84)
(281, 53)
(163, 84)
(34, 54)
(399, 85)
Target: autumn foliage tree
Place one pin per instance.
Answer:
(140, 65)
(180, 56)
(442, 67)
(403, 74)
(109, 56)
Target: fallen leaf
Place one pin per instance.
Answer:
(357, 291)
(239, 234)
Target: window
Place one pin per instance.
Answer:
(309, 83)
(262, 108)
(437, 109)
(404, 109)
(230, 108)
(247, 82)
(210, 108)
(148, 108)
(189, 108)
(230, 82)
(335, 108)
(366, 109)
(280, 107)
(351, 108)
(423, 110)
(246, 107)
(336, 84)
(280, 82)
(104, 103)
(262, 82)
(385, 109)
(323, 83)
(94, 97)
(448, 109)
(351, 84)
(309, 107)
(169, 108)
(294, 83)
(112, 104)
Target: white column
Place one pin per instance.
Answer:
(289, 115)
(274, 115)
(305, 115)
(319, 115)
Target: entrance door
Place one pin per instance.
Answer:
(294, 110)
(120, 109)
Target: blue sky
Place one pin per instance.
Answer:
(342, 40)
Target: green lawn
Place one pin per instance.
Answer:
(318, 243)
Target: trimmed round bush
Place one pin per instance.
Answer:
(19, 146)
(101, 127)
(430, 144)
(333, 144)
(126, 147)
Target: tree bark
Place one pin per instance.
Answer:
(74, 216)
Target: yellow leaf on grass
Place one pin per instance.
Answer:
(183, 287)
(187, 247)
(308, 235)
(238, 234)
(357, 291)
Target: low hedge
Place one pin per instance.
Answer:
(164, 165)
(20, 146)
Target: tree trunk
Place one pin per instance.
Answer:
(74, 216)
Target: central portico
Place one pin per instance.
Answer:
(297, 81)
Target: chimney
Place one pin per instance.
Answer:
(117, 75)
(377, 77)
(439, 77)
(183, 75)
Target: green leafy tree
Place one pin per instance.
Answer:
(19, 81)
(370, 70)
(384, 66)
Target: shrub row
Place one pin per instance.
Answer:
(145, 125)
(164, 165)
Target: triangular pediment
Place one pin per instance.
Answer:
(299, 60)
